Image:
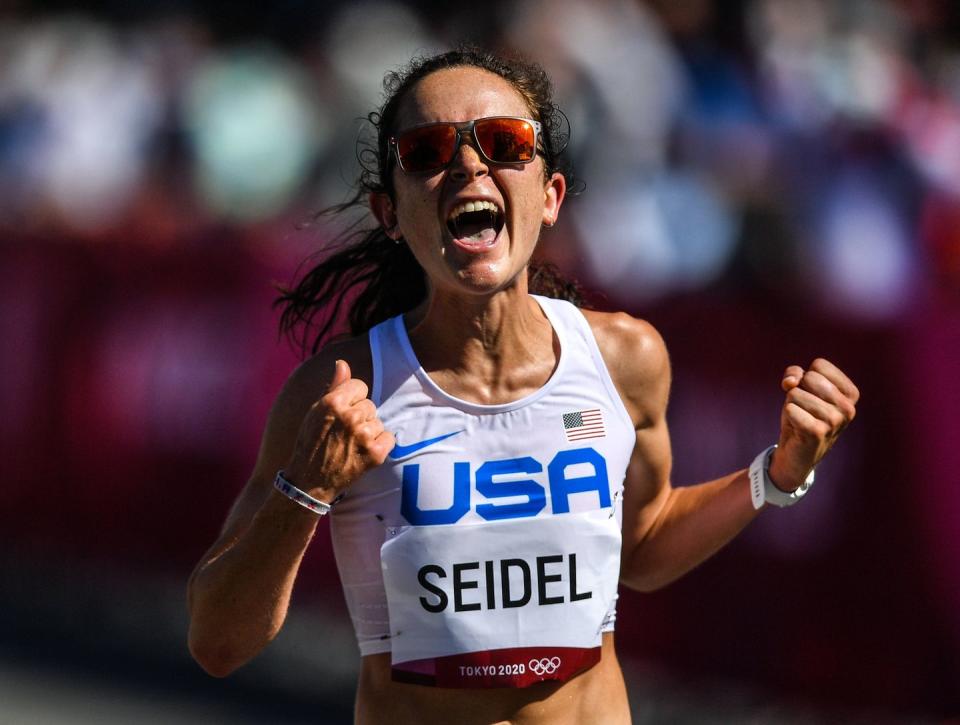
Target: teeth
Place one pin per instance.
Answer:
(472, 206)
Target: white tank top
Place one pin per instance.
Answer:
(485, 552)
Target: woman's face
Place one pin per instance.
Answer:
(480, 253)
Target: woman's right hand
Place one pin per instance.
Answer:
(340, 438)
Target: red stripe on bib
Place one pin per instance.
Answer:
(511, 667)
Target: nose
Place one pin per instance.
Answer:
(467, 163)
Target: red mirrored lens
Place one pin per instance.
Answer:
(427, 148)
(506, 140)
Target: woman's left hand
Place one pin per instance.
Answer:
(820, 403)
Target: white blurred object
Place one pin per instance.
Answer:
(870, 86)
(674, 233)
(645, 231)
(368, 38)
(98, 104)
(792, 39)
(931, 127)
(256, 131)
(620, 50)
(820, 59)
(862, 266)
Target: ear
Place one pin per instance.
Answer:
(553, 195)
(382, 207)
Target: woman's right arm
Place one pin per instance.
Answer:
(239, 593)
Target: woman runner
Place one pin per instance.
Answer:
(494, 461)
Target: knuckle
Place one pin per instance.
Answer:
(837, 419)
(848, 409)
(386, 442)
(813, 430)
(331, 400)
(364, 439)
(378, 450)
(367, 433)
(817, 381)
(351, 418)
(359, 417)
(361, 387)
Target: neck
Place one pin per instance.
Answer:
(485, 348)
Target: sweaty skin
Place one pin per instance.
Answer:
(595, 696)
(481, 338)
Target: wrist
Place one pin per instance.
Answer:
(762, 488)
(784, 480)
(281, 508)
(293, 492)
(299, 477)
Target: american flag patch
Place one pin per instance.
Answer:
(583, 424)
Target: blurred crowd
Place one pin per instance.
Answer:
(818, 139)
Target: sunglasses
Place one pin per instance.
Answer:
(498, 139)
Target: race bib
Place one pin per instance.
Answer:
(500, 604)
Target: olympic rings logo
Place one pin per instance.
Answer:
(545, 666)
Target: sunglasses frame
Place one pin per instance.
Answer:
(461, 128)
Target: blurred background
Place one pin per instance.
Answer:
(767, 181)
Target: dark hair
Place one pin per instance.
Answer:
(365, 269)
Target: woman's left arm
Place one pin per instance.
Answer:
(668, 531)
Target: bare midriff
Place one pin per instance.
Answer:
(597, 695)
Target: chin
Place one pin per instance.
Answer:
(487, 278)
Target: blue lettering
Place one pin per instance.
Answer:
(536, 496)
(561, 486)
(411, 510)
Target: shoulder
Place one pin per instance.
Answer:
(306, 385)
(310, 380)
(636, 357)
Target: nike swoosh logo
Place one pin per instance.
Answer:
(403, 451)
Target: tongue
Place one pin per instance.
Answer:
(478, 236)
(474, 229)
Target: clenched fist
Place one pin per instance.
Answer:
(340, 438)
(820, 403)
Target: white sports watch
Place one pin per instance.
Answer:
(763, 490)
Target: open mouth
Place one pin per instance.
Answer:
(475, 223)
